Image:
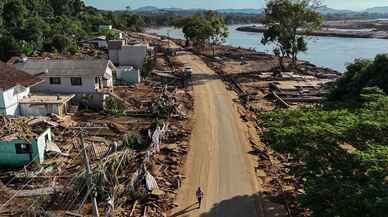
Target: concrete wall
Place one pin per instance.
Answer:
(133, 56)
(41, 143)
(9, 157)
(128, 74)
(102, 44)
(114, 56)
(129, 55)
(40, 109)
(9, 100)
(88, 86)
(92, 100)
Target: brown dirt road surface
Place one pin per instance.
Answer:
(218, 161)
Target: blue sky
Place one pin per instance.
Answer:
(217, 4)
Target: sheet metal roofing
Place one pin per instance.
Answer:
(65, 67)
(10, 77)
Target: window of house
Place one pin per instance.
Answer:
(54, 80)
(23, 148)
(76, 81)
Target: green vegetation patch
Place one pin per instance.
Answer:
(343, 154)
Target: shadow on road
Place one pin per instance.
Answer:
(185, 212)
(242, 206)
(248, 206)
(199, 79)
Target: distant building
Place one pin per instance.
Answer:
(17, 151)
(98, 42)
(104, 27)
(89, 80)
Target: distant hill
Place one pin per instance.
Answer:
(377, 10)
(324, 10)
(225, 11)
(241, 11)
(147, 9)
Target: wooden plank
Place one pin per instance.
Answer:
(38, 192)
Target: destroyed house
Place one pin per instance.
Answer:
(85, 78)
(20, 148)
(127, 55)
(14, 86)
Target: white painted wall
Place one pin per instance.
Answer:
(88, 86)
(129, 55)
(9, 100)
(129, 74)
(39, 109)
(109, 82)
(133, 55)
(42, 143)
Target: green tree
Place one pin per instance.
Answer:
(8, 46)
(337, 180)
(35, 31)
(110, 35)
(359, 75)
(61, 43)
(287, 22)
(14, 14)
(203, 29)
(219, 29)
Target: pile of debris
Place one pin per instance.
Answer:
(166, 105)
(159, 172)
(26, 128)
(16, 127)
(272, 173)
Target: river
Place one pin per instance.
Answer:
(331, 52)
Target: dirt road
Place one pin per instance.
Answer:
(218, 161)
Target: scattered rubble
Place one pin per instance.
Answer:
(136, 156)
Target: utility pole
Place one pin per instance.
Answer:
(91, 187)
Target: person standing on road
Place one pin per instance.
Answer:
(199, 195)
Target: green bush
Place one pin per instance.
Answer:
(338, 181)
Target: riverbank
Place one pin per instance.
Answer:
(327, 32)
(331, 52)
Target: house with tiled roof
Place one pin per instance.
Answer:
(16, 98)
(90, 80)
(14, 86)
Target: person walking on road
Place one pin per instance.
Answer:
(199, 195)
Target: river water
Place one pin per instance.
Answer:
(331, 52)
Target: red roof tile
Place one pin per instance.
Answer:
(10, 77)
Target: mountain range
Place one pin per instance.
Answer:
(323, 10)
